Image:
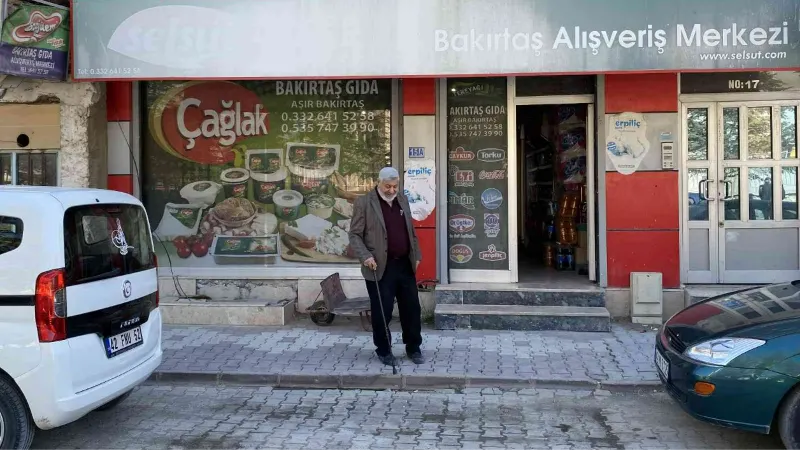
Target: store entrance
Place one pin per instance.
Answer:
(552, 145)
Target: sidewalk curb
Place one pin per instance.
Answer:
(394, 382)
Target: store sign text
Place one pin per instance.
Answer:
(578, 38)
(322, 87)
(227, 125)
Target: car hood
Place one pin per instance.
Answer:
(763, 313)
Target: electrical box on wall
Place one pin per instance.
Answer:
(667, 156)
(646, 298)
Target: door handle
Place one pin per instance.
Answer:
(728, 189)
(704, 194)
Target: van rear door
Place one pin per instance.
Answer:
(111, 291)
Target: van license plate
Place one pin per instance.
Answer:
(663, 365)
(123, 342)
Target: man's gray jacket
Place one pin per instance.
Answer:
(368, 237)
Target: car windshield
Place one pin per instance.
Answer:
(105, 241)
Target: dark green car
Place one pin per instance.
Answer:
(734, 360)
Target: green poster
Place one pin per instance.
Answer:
(261, 172)
(35, 42)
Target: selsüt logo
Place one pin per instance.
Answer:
(38, 27)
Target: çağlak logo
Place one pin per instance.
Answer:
(38, 27)
(202, 121)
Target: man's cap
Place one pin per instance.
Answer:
(388, 173)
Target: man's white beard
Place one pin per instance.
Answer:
(387, 198)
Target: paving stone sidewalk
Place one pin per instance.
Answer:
(305, 353)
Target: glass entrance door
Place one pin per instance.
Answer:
(741, 182)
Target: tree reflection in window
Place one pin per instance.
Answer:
(789, 132)
(730, 132)
(759, 133)
(697, 131)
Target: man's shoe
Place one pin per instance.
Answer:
(387, 359)
(417, 358)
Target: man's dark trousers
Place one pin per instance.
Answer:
(398, 281)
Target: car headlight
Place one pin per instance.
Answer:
(722, 351)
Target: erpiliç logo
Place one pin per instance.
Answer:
(632, 123)
(38, 27)
(419, 171)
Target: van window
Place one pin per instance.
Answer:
(105, 241)
(10, 234)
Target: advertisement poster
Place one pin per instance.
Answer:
(261, 172)
(477, 167)
(34, 42)
(420, 187)
(627, 142)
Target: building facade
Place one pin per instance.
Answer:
(610, 159)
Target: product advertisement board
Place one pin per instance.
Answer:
(34, 42)
(261, 172)
(477, 174)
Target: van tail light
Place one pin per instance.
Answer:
(51, 306)
(155, 264)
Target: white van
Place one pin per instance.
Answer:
(79, 320)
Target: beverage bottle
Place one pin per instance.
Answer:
(570, 259)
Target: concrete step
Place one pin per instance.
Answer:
(182, 311)
(698, 292)
(518, 296)
(521, 318)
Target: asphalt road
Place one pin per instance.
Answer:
(203, 416)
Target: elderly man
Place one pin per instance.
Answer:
(383, 238)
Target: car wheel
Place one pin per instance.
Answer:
(115, 402)
(789, 420)
(16, 426)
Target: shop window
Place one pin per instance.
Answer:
(29, 168)
(248, 174)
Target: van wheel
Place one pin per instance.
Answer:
(789, 420)
(115, 402)
(16, 426)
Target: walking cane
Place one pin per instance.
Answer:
(385, 325)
